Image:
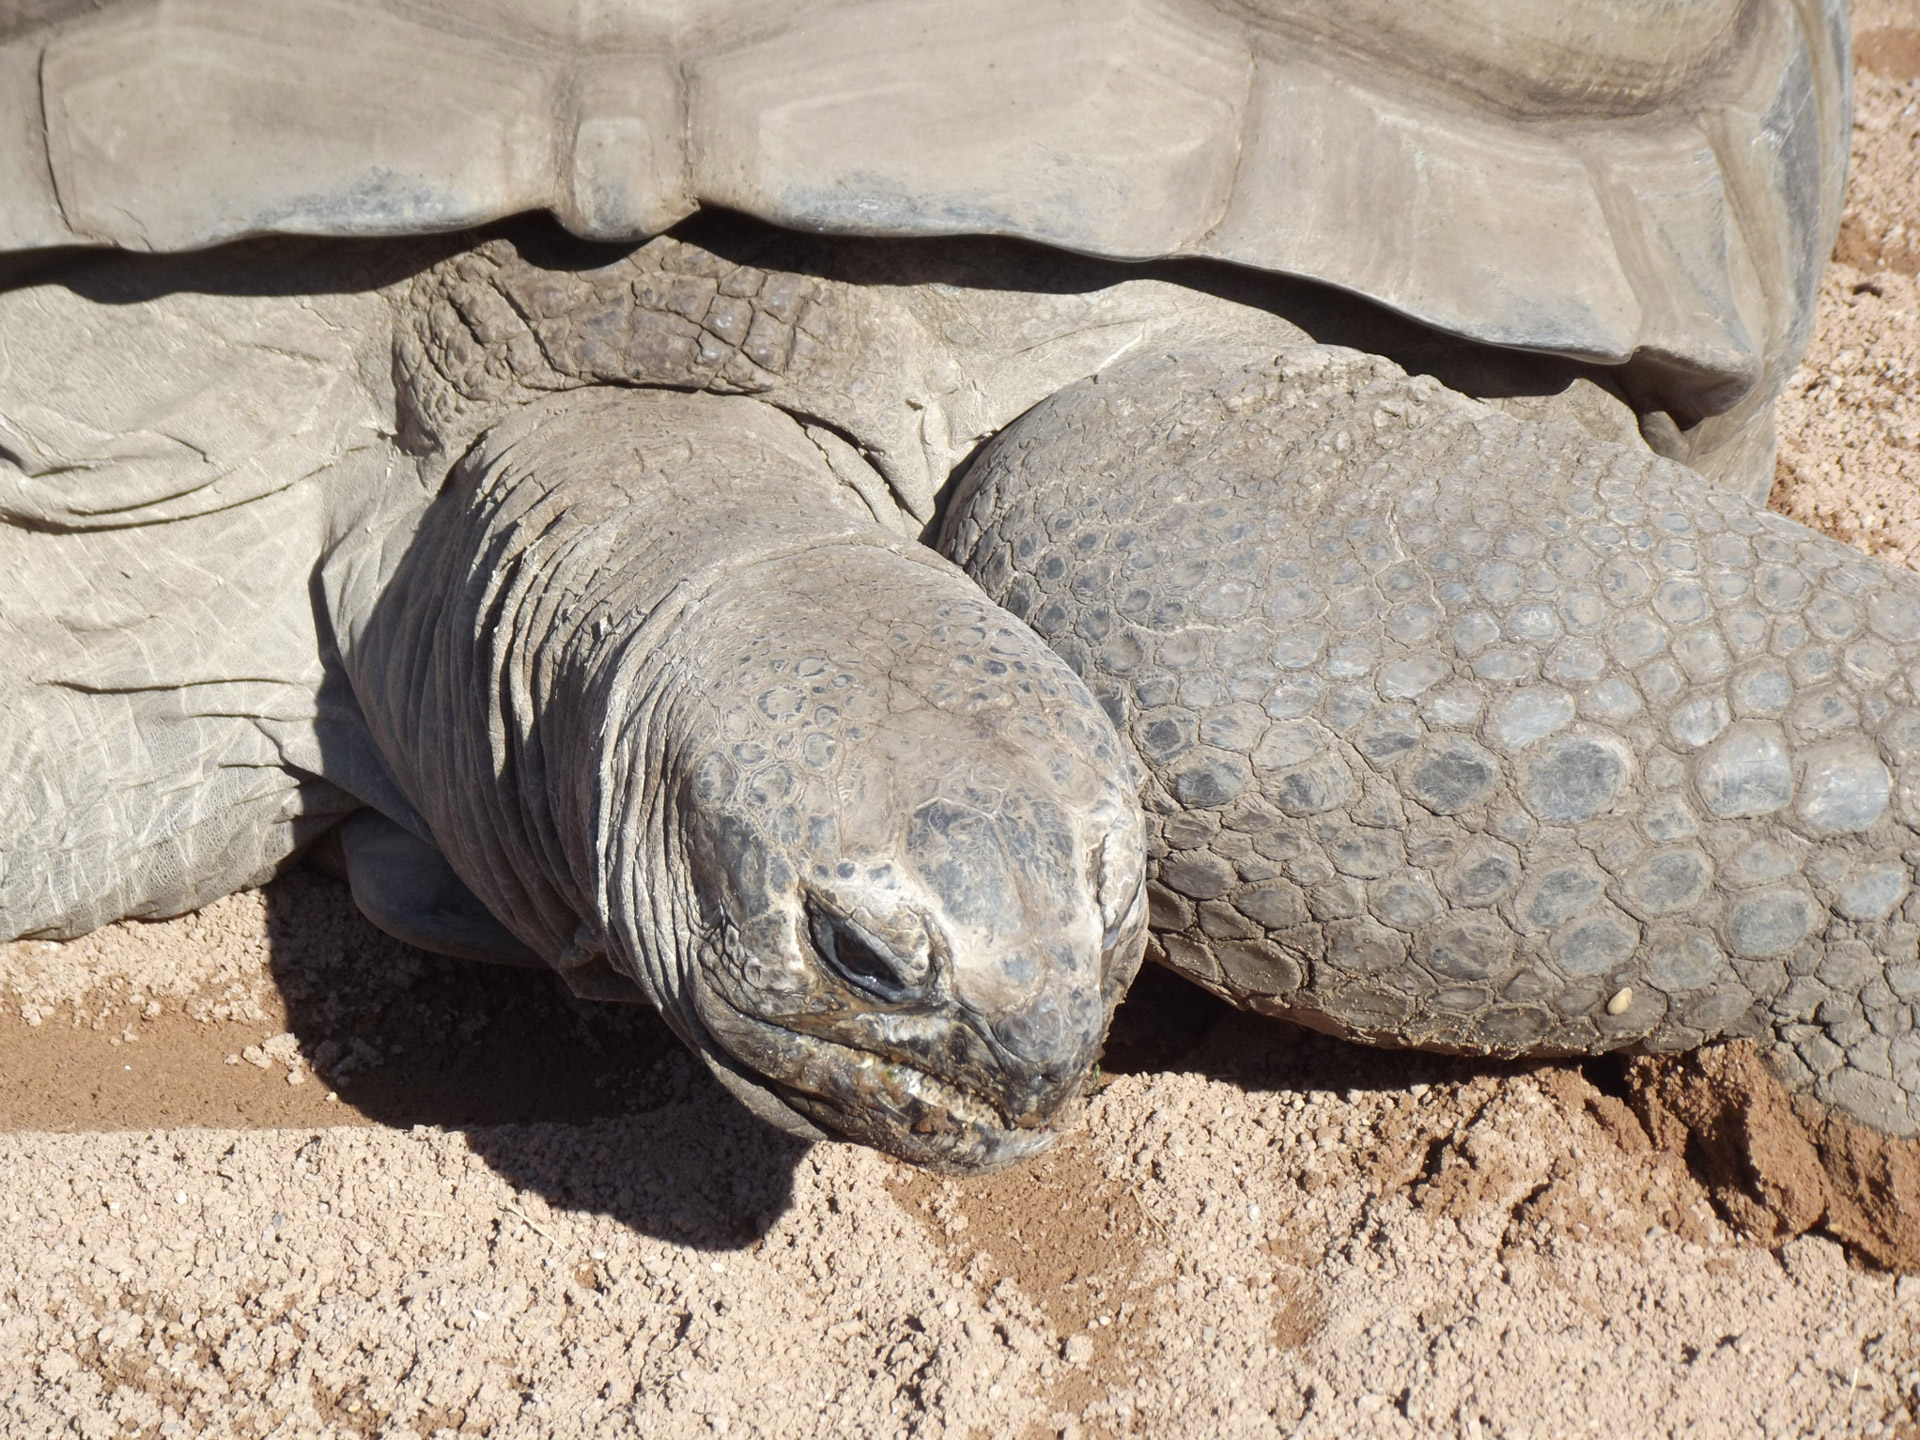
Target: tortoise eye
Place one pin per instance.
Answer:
(859, 961)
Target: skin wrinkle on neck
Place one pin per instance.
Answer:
(535, 640)
(578, 634)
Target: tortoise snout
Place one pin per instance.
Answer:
(1048, 1046)
(1056, 1032)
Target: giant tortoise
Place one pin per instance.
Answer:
(506, 443)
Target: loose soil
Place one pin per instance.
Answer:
(264, 1171)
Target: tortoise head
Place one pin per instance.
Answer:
(903, 860)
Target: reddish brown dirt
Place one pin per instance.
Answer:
(369, 1031)
(1776, 1164)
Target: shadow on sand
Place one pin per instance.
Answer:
(1169, 1024)
(594, 1107)
(600, 1108)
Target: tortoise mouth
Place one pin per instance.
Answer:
(893, 1104)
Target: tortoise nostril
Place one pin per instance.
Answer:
(1051, 1036)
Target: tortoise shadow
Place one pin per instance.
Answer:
(595, 1107)
(1169, 1023)
(599, 1108)
(1327, 314)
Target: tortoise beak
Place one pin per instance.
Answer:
(871, 1084)
(976, 1060)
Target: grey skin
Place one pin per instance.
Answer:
(595, 512)
(1479, 735)
(601, 672)
(885, 877)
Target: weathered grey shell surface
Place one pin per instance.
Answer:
(1645, 181)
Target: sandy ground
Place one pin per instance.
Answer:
(264, 1171)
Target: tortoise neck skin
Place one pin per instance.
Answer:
(692, 722)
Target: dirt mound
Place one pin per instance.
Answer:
(1777, 1164)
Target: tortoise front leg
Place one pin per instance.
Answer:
(1479, 735)
(405, 886)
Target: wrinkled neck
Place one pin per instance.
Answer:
(521, 669)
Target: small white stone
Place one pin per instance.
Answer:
(1621, 1001)
(284, 1047)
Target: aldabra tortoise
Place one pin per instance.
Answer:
(574, 579)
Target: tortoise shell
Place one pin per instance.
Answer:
(1643, 183)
